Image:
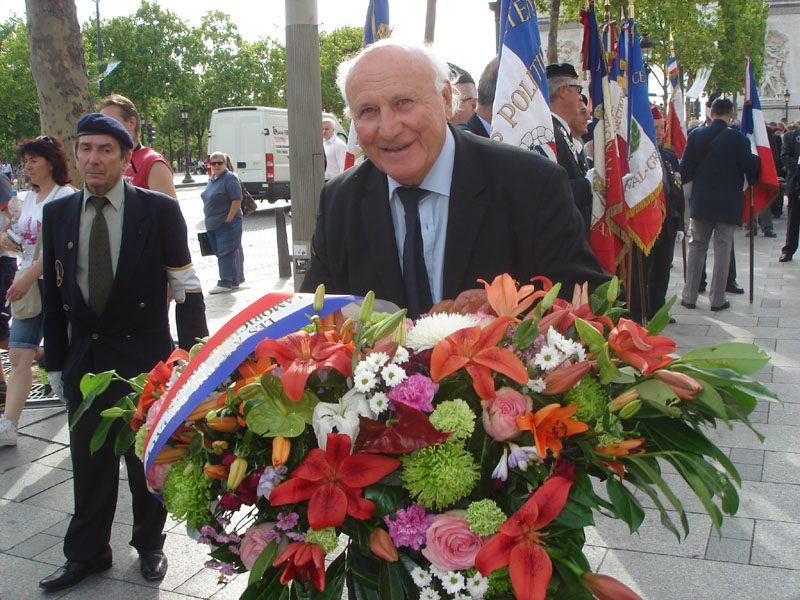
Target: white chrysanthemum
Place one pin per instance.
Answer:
(477, 586)
(421, 577)
(364, 382)
(379, 403)
(580, 353)
(548, 358)
(393, 374)
(536, 385)
(430, 330)
(377, 359)
(400, 355)
(554, 338)
(436, 572)
(453, 582)
(428, 594)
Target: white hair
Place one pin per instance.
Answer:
(221, 155)
(441, 71)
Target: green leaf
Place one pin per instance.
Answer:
(710, 398)
(334, 580)
(91, 386)
(386, 498)
(608, 371)
(389, 585)
(263, 562)
(745, 359)
(657, 395)
(277, 414)
(590, 336)
(627, 375)
(124, 440)
(625, 504)
(525, 334)
(647, 468)
(661, 318)
(100, 434)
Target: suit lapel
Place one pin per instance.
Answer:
(67, 249)
(468, 205)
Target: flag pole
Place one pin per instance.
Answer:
(752, 238)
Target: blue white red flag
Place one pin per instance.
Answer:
(644, 195)
(766, 187)
(376, 28)
(675, 127)
(608, 233)
(521, 110)
(616, 52)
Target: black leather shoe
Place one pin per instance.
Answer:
(153, 565)
(770, 234)
(734, 288)
(723, 306)
(785, 257)
(688, 304)
(73, 572)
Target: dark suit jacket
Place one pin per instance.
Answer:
(576, 172)
(132, 334)
(474, 125)
(718, 172)
(510, 211)
(790, 152)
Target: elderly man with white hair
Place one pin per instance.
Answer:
(335, 149)
(434, 209)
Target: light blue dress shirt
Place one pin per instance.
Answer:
(433, 209)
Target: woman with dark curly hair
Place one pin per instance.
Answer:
(47, 170)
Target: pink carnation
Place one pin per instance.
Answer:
(157, 474)
(416, 391)
(409, 526)
(500, 413)
(451, 545)
(255, 540)
(154, 411)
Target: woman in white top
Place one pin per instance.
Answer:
(47, 170)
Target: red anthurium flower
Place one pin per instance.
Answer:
(549, 425)
(333, 479)
(506, 299)
(302, 353)
(476, 350)
(303, 561)
(630, 342)
(412, 431)
(519, 543)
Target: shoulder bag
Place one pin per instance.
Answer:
(30, 305)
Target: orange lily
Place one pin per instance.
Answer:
(631, 342)
(608, 588)
(550, 424)
(476, 350)
(623, 448)
(506, 299)
(519, 543)
(250, 369)
(302, 353)
(565, 378)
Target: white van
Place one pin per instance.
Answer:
(257, 140)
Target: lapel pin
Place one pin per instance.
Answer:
(70, 245)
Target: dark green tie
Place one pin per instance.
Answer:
(101, 272)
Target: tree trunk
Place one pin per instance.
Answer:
(430, 21)
(552, 33)
(59, 70)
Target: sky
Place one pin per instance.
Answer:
(464, 32)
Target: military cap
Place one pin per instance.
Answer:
(561, 69)
(98, 124)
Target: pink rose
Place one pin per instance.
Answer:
(253, 544)
(451, 546)
(157, 474)
(501, 412)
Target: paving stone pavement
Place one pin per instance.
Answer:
(755, 556)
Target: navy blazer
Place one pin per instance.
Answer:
(475, 125)
(510, 211)
(718, 173)
(132, 334)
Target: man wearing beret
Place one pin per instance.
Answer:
(566, 104)
(110, 251)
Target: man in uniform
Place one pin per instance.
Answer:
(111, 251)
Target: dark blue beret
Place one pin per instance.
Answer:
(97, 124)
(564, 69)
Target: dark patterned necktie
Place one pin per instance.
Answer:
(415, 274)
(101, 272)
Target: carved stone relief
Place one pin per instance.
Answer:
(776, 55)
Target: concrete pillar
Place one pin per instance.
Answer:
(304, 98)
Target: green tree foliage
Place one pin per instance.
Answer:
(743, 25)
(333, 48)
(18, 103)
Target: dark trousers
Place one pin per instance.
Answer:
(793, 225)
(226, 241)
(96, 482)
(656, 268)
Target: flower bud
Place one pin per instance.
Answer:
(319, 298)
(608, 588)
(565, 378)
(381, 545)
(280, 450)
(237, 470)
(623, 400)
(216, 471)
(367, 307)
(113, 413)
(684, 386)
(630, 409)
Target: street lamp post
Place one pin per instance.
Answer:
(185, 119)
(99, 50)
(786, 96)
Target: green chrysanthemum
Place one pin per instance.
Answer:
(592, 399)
(456, 416)
(326, 538)
(139, 440)
(187, 493)
(485, 517)
(440, 475)
(499, 584)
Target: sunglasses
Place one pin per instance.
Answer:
(45, 138)
(217, 163)
(576, 86)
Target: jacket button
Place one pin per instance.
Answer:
(66, 307)
(95, 336)
(141, 304)
(128, 337)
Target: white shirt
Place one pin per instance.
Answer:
(335, 150)
(30, 220)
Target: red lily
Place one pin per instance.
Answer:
(630, 342)
(549, 425)
(519, 543)
(302, 353)
(154, 387)
(303, 561)
(476, 350)
(506, 299)
(333, 479)
(608, 588)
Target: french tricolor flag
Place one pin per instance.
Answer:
(675, 133)
(753, 126)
